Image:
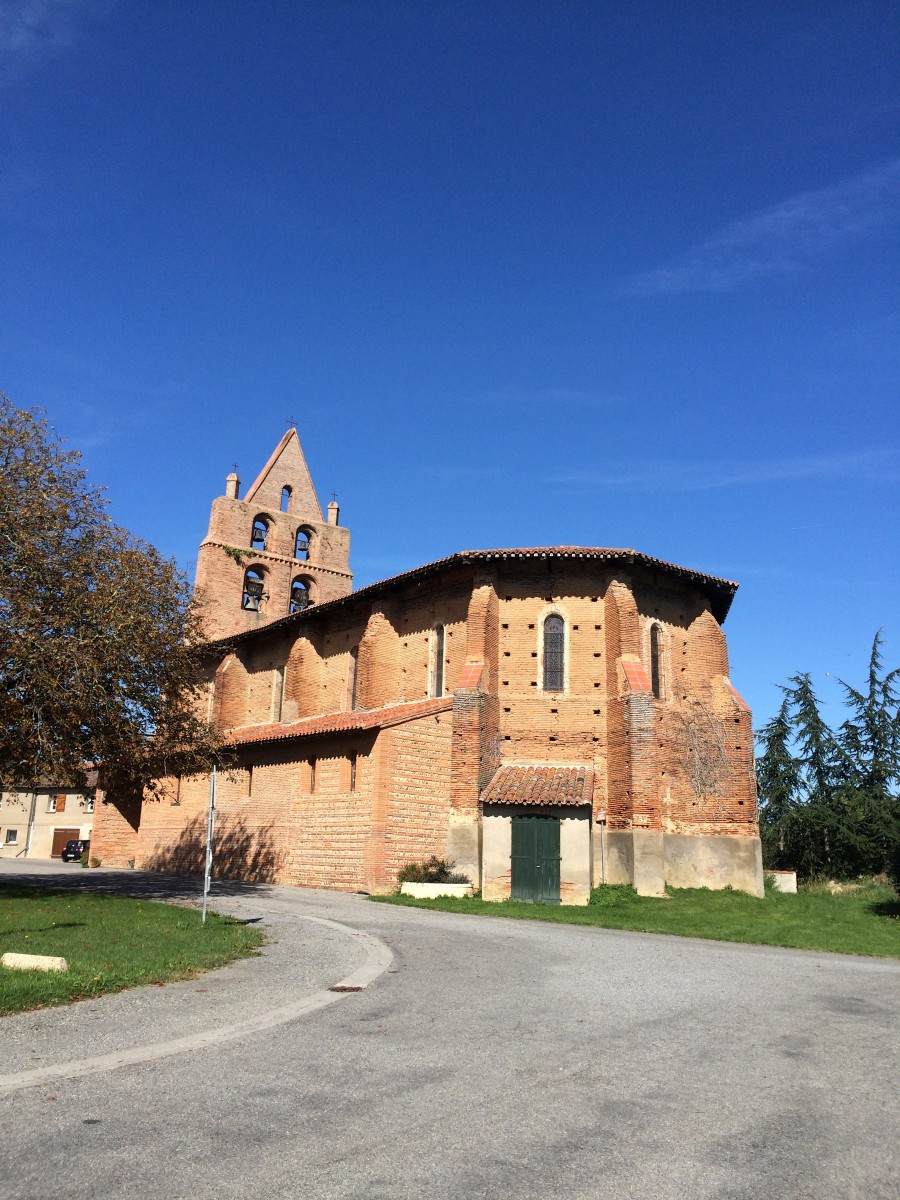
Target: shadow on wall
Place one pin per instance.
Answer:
(239, 852)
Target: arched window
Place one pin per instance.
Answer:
(299, 596)
(554, 653)
(352, 676)
(655, 677)
(253, 590)
(259, 533)
(285, 499)
(436, 687)
(302, 545)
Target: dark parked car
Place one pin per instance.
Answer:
(74, 849)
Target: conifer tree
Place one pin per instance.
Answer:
(829, 800)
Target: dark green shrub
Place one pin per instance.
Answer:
(432, 870)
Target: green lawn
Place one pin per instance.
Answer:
(861, 921)
(109, 944)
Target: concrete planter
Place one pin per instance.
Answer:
(427, 891)
(785, 881)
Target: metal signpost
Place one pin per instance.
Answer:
(210, 825)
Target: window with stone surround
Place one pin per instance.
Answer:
(655, 660)
(12, 837)
(554, 653)
(352, 676)
(436, 681)
(285, 499)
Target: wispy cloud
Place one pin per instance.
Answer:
(788, 237)
(33, 30)
(875, 466)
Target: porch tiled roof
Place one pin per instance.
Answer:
(540, 784)
(340, 722)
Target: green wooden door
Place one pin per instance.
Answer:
(535, 858)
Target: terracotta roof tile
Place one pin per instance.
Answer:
(470, 676)
(636, 676)
(340, 722)
(540, 784)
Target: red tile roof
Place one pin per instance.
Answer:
(636, 676)
(470, 676)
(540, 784)
(340, 722)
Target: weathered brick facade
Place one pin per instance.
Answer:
(372, 727)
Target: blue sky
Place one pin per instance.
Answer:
(526, 273)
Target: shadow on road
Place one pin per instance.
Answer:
(140, 885)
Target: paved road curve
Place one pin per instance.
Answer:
(492, 1058)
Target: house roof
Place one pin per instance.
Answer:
(540, 784)
(340, 722)
(720, 592)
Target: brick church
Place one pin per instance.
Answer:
(548, 717)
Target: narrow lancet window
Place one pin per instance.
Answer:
(554, 654)
(437, 663)
(352, 677)
(253, 590)
(285, 499)
(655, 681)
(259, 533)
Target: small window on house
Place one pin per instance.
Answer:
(655, 678)
(302, 545)
(554, 653)
(285, 499)
(57, 803)
(259, 533)
(299, 596)
(437, 661)
(312, 775)
(352, 772)
(250, 780)
(253, 590)
(12, 837)
(89, 804)
(352, 678)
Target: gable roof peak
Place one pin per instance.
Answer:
(287, 468)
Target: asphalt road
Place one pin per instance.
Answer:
(490, 1058)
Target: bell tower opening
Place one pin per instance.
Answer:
(247, 565)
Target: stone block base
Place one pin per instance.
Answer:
(650, 860)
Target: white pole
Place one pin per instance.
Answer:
(210, 823)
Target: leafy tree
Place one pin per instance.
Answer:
(828, 800)
(100, 639)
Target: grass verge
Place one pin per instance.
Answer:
(865, 920)
(110, 944)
